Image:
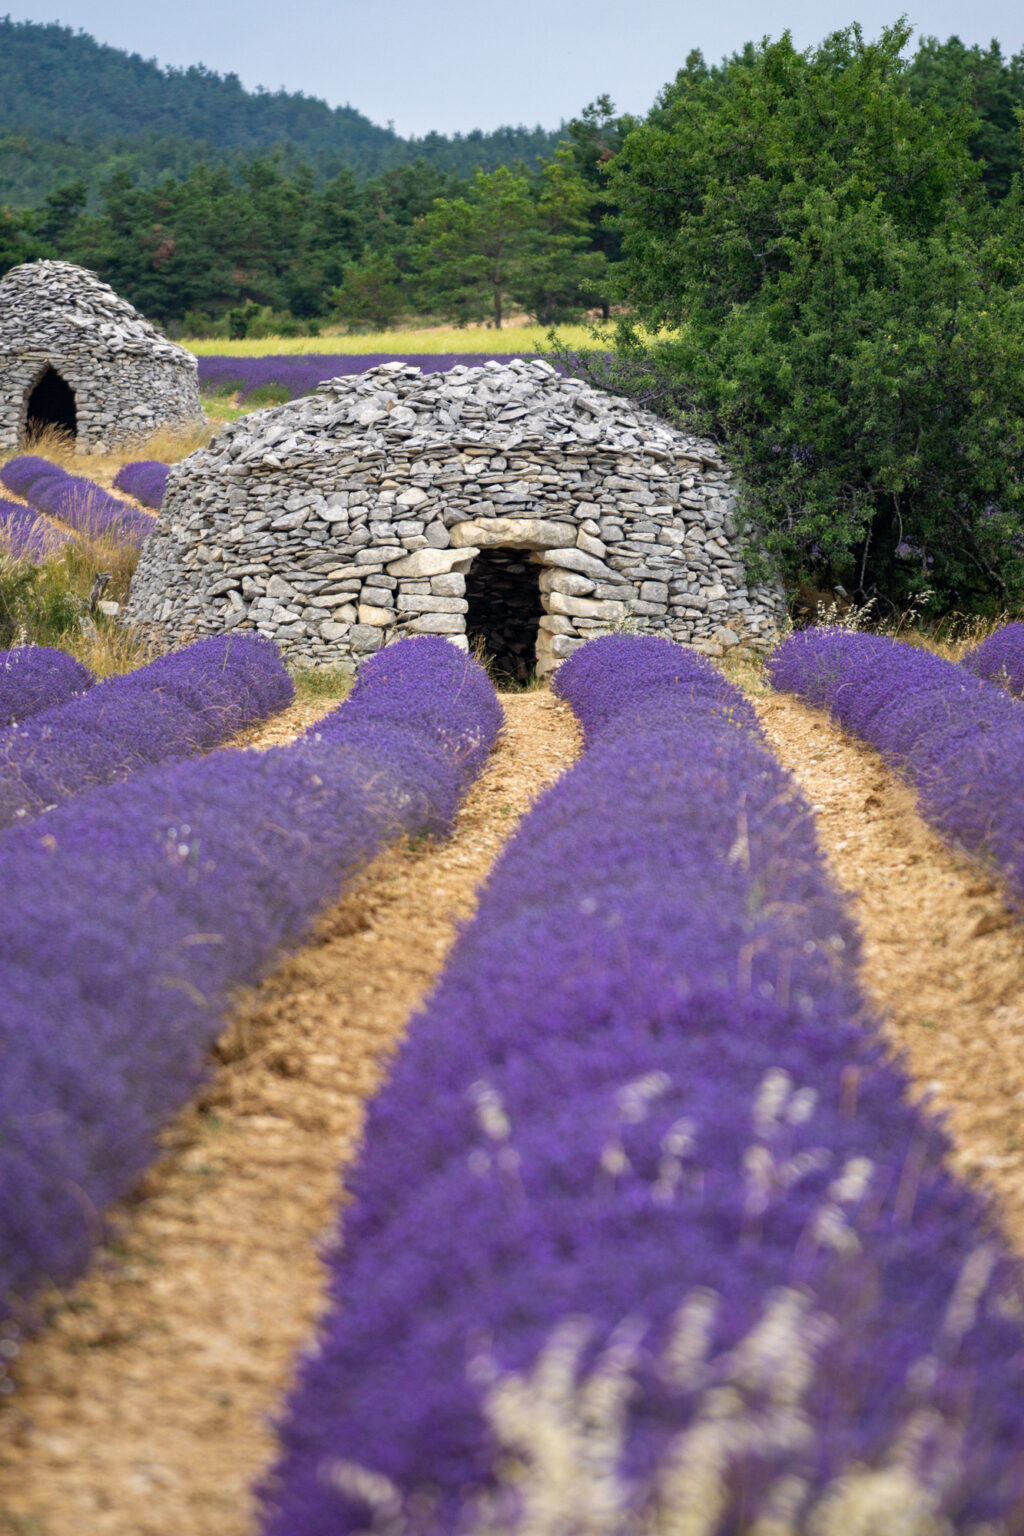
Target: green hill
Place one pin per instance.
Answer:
(71, 107)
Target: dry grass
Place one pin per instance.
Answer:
(315, 684)
(746, 670)
(108, 649)
(49, 604)
(59, 448)
(522, 337)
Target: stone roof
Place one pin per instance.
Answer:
(53, 307)
(504, 407)
(395, 502)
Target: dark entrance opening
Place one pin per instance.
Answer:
(51, 404)
(505, 609)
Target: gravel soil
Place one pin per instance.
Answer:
(144, 1409)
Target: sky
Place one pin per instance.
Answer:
(453, 65)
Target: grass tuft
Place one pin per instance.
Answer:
(314, 683)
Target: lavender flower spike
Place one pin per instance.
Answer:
(38, 677)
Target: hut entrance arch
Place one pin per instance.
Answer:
(504, 610)
(51, 404)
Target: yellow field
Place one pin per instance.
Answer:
(513, 338)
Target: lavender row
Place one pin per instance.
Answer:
(646, 1235)
(24, 535)
(125, 924)
(38, 677)
(292, 375)
(178, 705)
(145, 480)
(79, 503)
(958, 739)
(1000, 658)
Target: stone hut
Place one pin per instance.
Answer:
(75, 356)
(503, 505)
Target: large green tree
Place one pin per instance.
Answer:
(473, 247)
(560, 274)
(845, 309)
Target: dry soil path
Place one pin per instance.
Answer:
(144, 1409)
(943, 958)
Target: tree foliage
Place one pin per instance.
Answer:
(562, 273)
(512, 235)
(991, 87)
(473, 246)
(847, 312)
(264, 237)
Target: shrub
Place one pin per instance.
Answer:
(79, 503)
(844, 309)
(178, 705)
(1000, 658)
(145, 480)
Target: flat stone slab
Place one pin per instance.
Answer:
(514, 533)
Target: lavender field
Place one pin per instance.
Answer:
(286, 376)
(646, 1228)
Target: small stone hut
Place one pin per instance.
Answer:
(502, 504)
(76, 357)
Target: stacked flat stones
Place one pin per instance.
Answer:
(340, 521)
(129, 381)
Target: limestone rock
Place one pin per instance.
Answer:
(380, 617)
(514, 533)
(586, 608)
(433, 562)
(568, 582)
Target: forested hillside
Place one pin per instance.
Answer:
(73, 108)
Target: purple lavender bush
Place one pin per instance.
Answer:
(130, 914)
(646, 1234)
(145, 480)
(79, 503)
(178, 705)
(407, 690)
(25, 470)
(1000, 658)
(286, 377)
(38, 677)
(957, 738)
(24, 535)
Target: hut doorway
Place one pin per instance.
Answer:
(51, 404)
(505, 610)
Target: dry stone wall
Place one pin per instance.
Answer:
(343, 520)
(128, 380)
